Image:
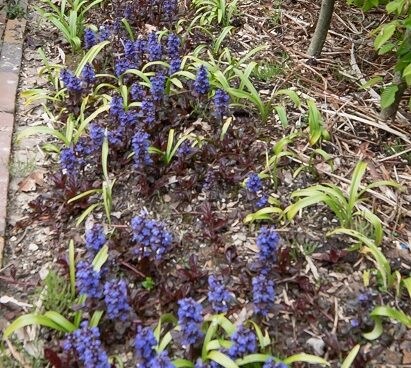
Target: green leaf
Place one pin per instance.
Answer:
(372, 82)
(168, 318)
(377, 330)
(355, 185)
(221, 37)
(85, 122)
(375, 222)
(407, 71)
(386, 48)
(170, 143)
(84, 194)
(31, 319)
(251, 53)
(42, 130)
(292, 210)
(263, 340)
(291, 94)
(182, 363)
(382, 263)
(263, 214)
(282, 115)
(100, 258)
(388, 96)
(314, 122)
(60, 320)
(407, 283)
(225, 127)
(165, 341)
(385, 34)
(307, 358)
(211, 331)
(218, 344)
(126, 25)
(95, 319)
(90, 56)
(351, 356)
(226, 324)
(86, 212)
(177, 83)
(380, 183)
(222, 359)
(104, 158)
(253, 358)
(392, 313)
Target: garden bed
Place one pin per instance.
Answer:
(169, 220)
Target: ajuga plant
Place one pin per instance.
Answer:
(84, 282)
(190, 340)
(346, 207)
(136, 14)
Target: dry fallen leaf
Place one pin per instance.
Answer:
(30, 182)
(9, 299)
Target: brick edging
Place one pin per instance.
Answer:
(10, 64)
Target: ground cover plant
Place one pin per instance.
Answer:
(212, 201)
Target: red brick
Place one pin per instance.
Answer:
(14, 31)
(8, 85)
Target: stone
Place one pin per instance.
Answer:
(318, 345)
(33, 247)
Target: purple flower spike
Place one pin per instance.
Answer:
(189, 320)
(201, 83)
(86, 342)
(72, 82)
(115, 297)
(244, 342)
(263, 294)
(218, 295)
(89, 39)
(88, 281)
(151, 237)
(254, 183)
(267, 242)
(140, 145)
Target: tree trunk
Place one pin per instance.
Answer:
(321, 30)
(390, 112)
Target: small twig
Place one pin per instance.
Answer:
(130, 267)
(396, 155)
(5, 267)
(15, 282)
(360, 76)
(334, 330)
(379, 125)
